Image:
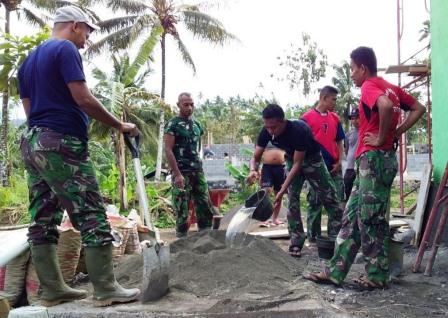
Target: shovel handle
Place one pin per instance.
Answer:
(134, 148)
(143, 198)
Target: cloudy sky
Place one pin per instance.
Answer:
(267, 28)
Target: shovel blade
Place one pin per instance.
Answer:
(156, 261)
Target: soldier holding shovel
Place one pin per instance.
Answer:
(58, 104)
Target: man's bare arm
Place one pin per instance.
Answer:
(169, 141)
(416, 111)
(385, 113)
(256, 159)
(295, 169)
(26, 102)
(92, 107)
(254, 165)
(337, 165)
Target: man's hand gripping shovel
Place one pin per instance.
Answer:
(156, 254)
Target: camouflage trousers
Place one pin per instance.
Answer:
(61, 176)
(315, 172)
(195, 189)
(314, 213)
(364, 224)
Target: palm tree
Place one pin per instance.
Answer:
(123, 94)
(347, 98)
(144, 15)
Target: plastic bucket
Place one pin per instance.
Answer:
(395, 258)
(325, 246)
(263, 206)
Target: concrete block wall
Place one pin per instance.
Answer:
(233, 150)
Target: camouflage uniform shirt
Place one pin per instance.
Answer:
(187, 134)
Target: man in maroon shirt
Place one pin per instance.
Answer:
(364, 223)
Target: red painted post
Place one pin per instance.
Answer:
(429, 224)
(436, 242)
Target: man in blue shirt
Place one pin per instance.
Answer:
(58, 105)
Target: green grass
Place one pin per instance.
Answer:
(408, 200)
(14, 202)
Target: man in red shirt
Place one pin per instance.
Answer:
(364, 223)
(328, 132)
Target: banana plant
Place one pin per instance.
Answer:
(123, 94)
(13, 51)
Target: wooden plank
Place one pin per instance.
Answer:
(417, 68)
(398, 222)
(280, 233)
(272, 234)
(422, 197)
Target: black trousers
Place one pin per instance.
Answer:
(349, 178)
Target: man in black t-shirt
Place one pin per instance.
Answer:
(303, 161)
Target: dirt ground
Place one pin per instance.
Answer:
(411, 295)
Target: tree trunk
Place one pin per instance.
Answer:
(4, 171)
(118, 142)
(162, 115)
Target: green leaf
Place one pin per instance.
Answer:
(6, 45)
(143, 55)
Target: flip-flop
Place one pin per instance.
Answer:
(278, 223)
(295, 251)
(265, 224)
(363, 283)
(315, 278)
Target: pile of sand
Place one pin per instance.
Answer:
(202, 264)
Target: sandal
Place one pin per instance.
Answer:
(319, 278)
(278, 222)
(364, 283)
(295, 251)
(266, 224)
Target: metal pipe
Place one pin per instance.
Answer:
(429, 224)
(436, 242)
(402, 142)
(428, 118)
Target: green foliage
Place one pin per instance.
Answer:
(408, 200)
(13, 51)
(347, 98)
(15, 157)
(123, 94)
(141, 17)
(240, 175)
(425, 31)
(230, 120)
(14, 201)
(417, 134)
(295, 112)
(303, 65)
(159, 206)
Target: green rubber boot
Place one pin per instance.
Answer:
(54, 289)
(106, 288)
